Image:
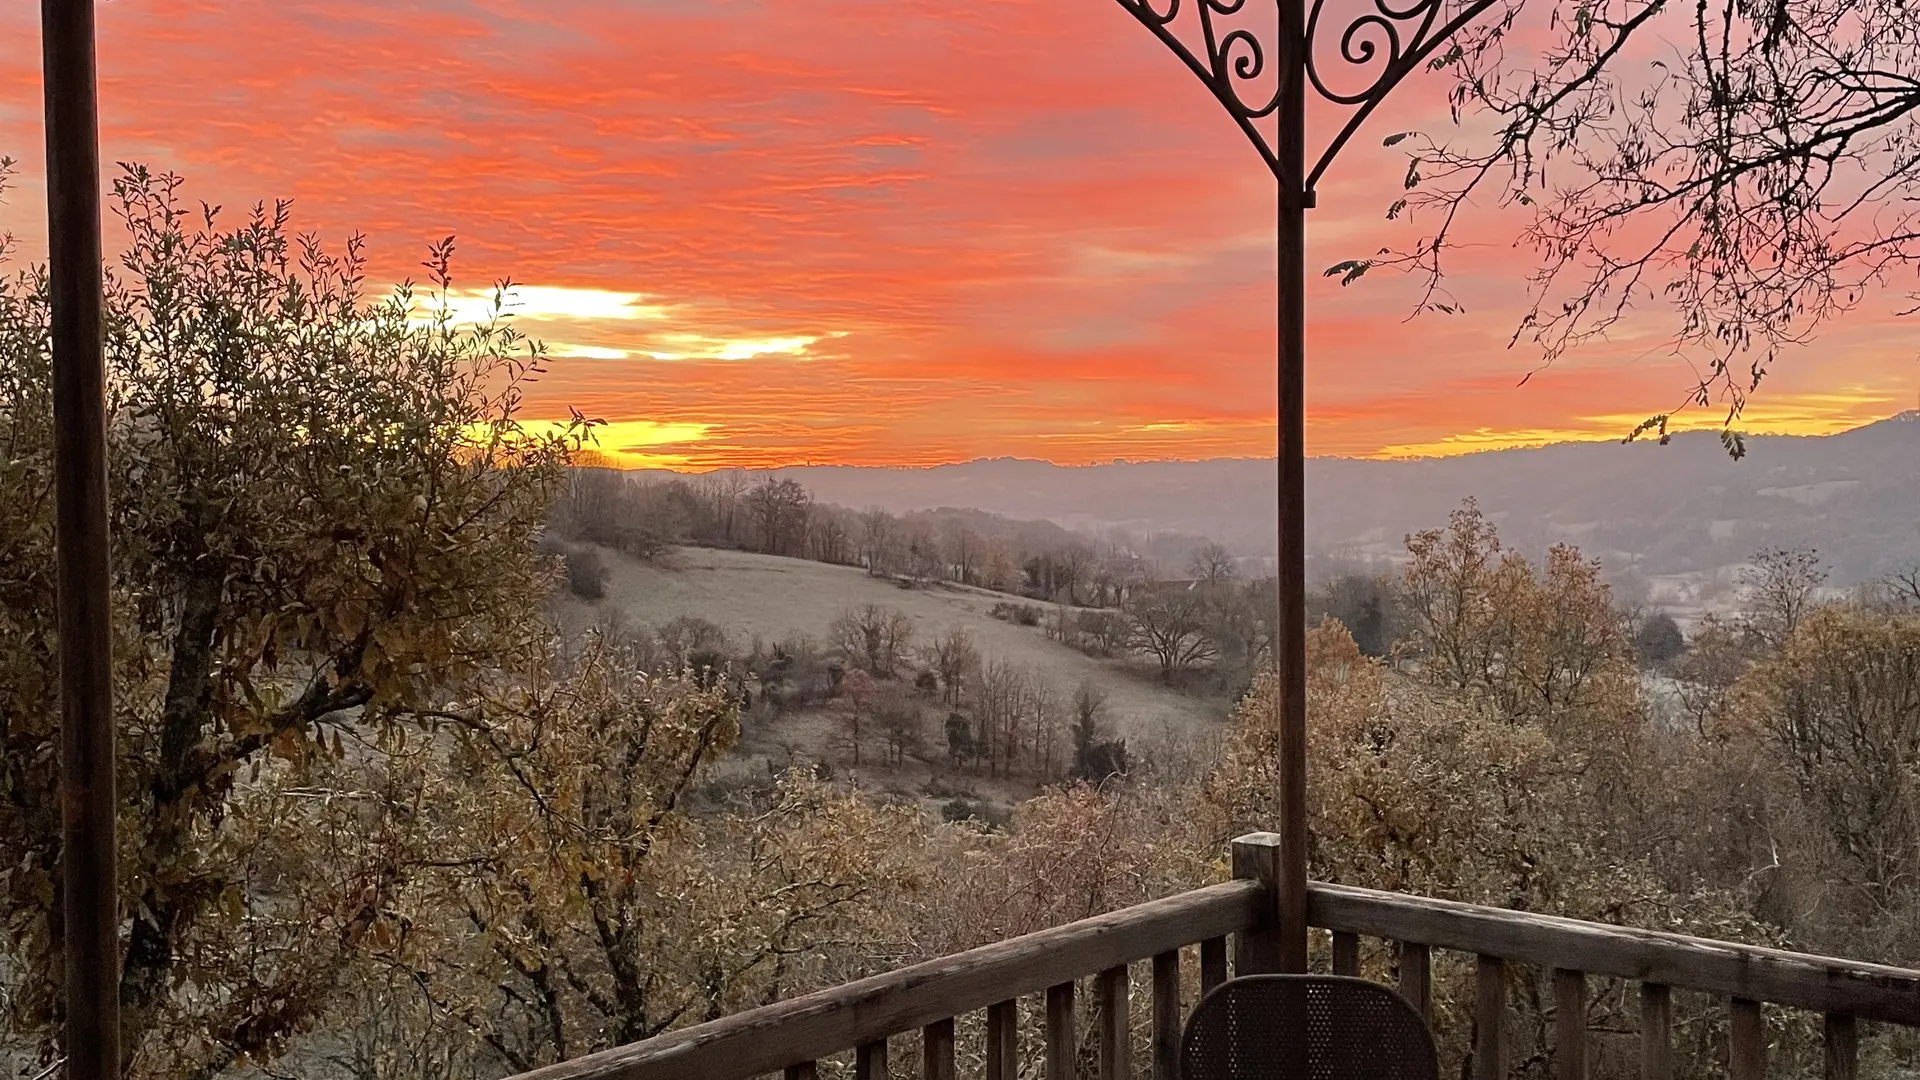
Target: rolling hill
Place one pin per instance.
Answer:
(767, 597)
(1680, 510)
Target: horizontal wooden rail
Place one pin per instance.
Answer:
(1744, 973)
(863, 1013)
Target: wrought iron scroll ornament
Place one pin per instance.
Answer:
(1383, 44)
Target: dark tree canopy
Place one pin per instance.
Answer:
(1658, 639)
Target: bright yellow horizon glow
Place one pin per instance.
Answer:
(1796, 414)
(697, 446)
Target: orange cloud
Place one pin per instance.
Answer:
(860, 231)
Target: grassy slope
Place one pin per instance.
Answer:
(760, 595)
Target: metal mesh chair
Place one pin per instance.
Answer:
(1306, 1027)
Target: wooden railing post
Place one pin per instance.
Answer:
(1416, 978)
(1346, 953)
(1747, 1042)
(1843, 1046)
(1256, 856)
(1060, 1037)
(1569, 1025)
(1213, 963)
(1166, 1016)
(1003, 1041)
(1114, 1029)
(870, 1061)
(936, 1051)
(1656, 1032)
(1490, 1019)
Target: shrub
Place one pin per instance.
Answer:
(986, 813)
(1098, 761)
(586, 573)
(1102, 633)
(1019, 614)
(927, 684)
(708, 667)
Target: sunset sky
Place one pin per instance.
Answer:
(759, 232)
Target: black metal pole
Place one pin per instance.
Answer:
(89, 890)
(1291, 652)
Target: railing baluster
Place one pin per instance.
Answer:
(870, 1061)
(1114, 1037)
(1060, 1039)
(1747, 1042)
(1416, 978)
(1213, 963)
(1166, 1015)
(1843, 1046)
(936, 1050)
(1003, 1041)
(1490, 1019)
(1569, 1025)
(1656, 1032)
(806, 1070)
(1346, 953)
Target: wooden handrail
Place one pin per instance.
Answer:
(861, 1013)
(1741, 972)
(791, 1035)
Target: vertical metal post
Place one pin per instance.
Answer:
(89, 891)
(1290, 55)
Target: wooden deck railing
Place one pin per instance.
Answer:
(790, 1036)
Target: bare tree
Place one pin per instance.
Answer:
(955, 658)
(1076, 562)
(827, 536)
(1782, 587)
(1170, 624)
(725, 493)
(965, 550)
(1707, 673)
(853, 710)
(1044, 702)
(998, 696)
(1759, 179)
(873, 637)
(779, 509)
(1002, 568)
(1212, 564)
(879, 535)
(1903, 587)
(1119, 576)
(900, 722)
(924, 558)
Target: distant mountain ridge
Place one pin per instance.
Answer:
(1685, 508)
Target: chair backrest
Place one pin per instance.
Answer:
(1306, 1027)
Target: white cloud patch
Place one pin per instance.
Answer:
(603, 311)
(543, 303)
(701, 347)
(585, 352)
